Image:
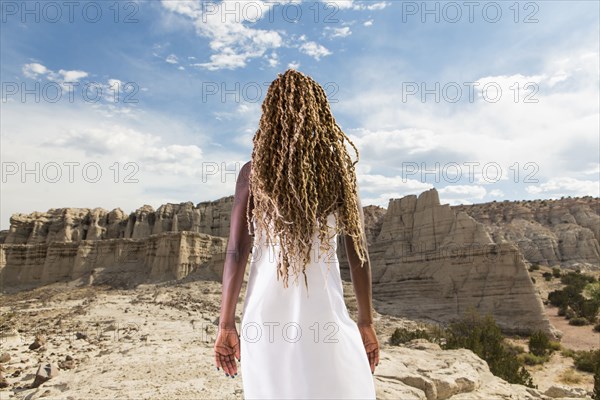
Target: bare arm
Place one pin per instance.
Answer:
(238, 250)
(361, 276)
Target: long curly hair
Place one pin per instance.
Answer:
(300, 173)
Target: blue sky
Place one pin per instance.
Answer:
(182, 83)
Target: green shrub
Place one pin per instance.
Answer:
(597, 328)
(576, 279)
(592, 290)
(534, 267)
(532, 359)
(587, 360)
(562, 311)
(555, 346)
(532, 279)
(558, 298)
(547, 276)
(483, 336)
(539, 343)
(556, 272)
(578, 321)
(403, 335)
(589, 309)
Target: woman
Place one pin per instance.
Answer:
(295, 195)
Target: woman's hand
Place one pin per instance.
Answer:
(227, 345)
(371, 343)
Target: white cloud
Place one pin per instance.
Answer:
(69, 86)
(294, 65)
(314, 50)
(368, 22)
(463, 191)
(565, 186)
(223, 23)
(33, 70)
(115, 82)
(338, 32)
(234, 42)
(273, 60)
(72, 76)
(172, 59)
(356, 5)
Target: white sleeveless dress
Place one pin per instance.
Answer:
(299, 345)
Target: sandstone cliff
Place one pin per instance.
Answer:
(77, 224)
(563, 232)
(117, 262)
(431, 263)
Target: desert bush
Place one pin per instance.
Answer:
(562, 311)
(587, 360)
(532, 279)
(556, 272)
(558, 298)
(570, 313)
(483, 336)
(539, 343)
(534, 267)
(592, 290)
(597, 328)
(403, 335)
(532, 359)
(576, 279)
(555, 346)
(578, 321)
(589, 309)
(547, 276)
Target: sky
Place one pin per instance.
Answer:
(118, 104)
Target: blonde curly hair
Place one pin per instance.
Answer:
(301, 172)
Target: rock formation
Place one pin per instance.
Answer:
(78, 224)
(118, 262)
(563, 232)
(432, 264)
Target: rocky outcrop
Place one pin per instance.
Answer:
(563, 232)
(117, 262)
(420, 370)
(78, 224)
(430, 263)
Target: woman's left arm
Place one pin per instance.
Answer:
(238, 250)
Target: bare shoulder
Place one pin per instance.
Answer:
(244, 176)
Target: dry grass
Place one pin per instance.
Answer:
(570, 376)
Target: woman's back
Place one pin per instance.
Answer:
(298, 342)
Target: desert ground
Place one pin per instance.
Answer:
(155, 341)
